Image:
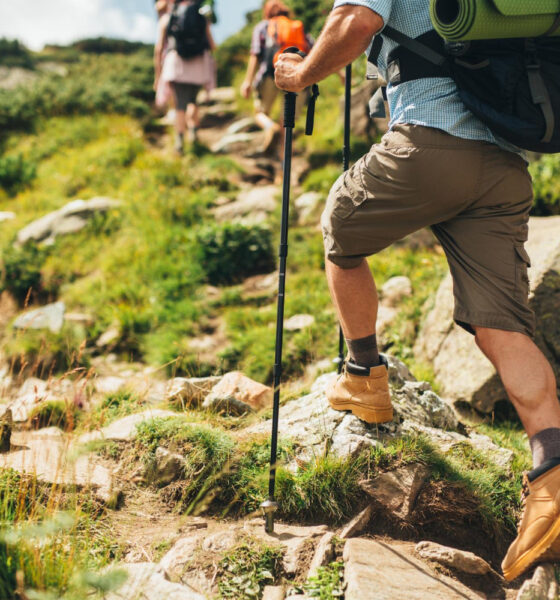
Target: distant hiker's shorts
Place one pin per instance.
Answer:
(185, 94)
(474, 195)
(266, 93)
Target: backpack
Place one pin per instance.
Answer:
(511, 85)
(281, 33)
(187, 30)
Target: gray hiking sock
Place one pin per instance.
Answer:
(364, 351)
(545, 445)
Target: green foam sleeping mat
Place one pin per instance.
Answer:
(461, 20)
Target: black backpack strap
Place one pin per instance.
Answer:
(413, 58)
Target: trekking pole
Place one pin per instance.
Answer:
(345, 166)
(270, 506)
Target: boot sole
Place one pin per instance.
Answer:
(369, 415)
(533, 554)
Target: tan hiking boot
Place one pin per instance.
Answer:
(363, 391)
(539, 528)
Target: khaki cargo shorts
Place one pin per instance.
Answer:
(475, 197)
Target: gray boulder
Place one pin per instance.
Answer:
(463, 372)
(69, 219)
(311, 423)
(49, 317)
(455, 559)
(234, 142)
(254, 204)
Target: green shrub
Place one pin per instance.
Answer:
(546, 185)
(16, 173)
(230, 252)
(20, 271)
(43, 353)
(14, 54)
(7, 573)
(54, 413)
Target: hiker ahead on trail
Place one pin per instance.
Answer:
(441, 166)
(276, 32)
(188, 64)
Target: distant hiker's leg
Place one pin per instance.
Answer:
(193, 121)
(180, 121)
(526, 375)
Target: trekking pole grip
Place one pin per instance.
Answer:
(290, 110)
(290, 97)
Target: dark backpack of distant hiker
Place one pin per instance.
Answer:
(187, 30)
(281, 33)
(511, 85)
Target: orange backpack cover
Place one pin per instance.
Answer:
(283, 32)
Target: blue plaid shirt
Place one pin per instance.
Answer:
(432, 102)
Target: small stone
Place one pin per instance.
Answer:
(7, 216)
(168, 468)
(261, 199)
(299, 322)
(125, 429)
(49, 317)
(396, 491)
(385, 316)
(358, 524)
(324, 553)
(542, 586)
(109, 338)
(233, 142)
(245, 125)
(190, 392)
(467, 562)
(308, 206)
(273, 592)
(32, 392)
(395, 289)
(222, 95)
(240, 388)
(109, 385)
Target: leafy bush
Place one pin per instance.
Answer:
(7, 573)
(14, 54)
(108, 84)
(54, 413)
(104, 45)
(546, 185)
(16, 173)
(20, 271)
(230, 252)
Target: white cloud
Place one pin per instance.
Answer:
(39, 22)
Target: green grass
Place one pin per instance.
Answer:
(247, 568)
(327, 583)
(54, 538)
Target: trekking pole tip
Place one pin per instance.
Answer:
(269, 507)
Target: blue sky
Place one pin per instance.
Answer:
(39, 22)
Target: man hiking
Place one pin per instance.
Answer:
(437, 166)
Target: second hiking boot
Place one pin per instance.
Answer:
(364, 391)
(539, 528)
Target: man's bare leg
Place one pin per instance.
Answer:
(526, 375)
(355, 297)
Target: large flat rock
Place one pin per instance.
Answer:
(377, 571)
(462, 371)
(50, 459)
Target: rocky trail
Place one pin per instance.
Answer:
(411, 532)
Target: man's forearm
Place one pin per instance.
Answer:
(346, 35)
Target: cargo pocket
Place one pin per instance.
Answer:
(348, 193)
(522, 264)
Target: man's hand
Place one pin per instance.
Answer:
(288, 73)
(347, 33)
(246, 89)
